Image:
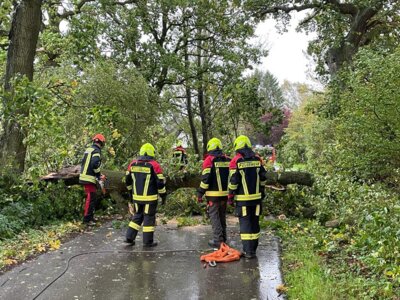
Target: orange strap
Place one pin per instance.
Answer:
(223, 254)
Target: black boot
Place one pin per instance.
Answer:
(214, 244)
(153, 244)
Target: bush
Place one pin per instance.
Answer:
(183, 203)
(24, 206)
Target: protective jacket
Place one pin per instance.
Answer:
(180, 154)
(248, 178)
(215, 175)
(90, 165)
(145, 180)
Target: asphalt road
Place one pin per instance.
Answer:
(98, 265)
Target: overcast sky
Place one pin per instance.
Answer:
(287, 58)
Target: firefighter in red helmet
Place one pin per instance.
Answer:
(90, 176)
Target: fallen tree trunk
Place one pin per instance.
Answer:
(115, 183)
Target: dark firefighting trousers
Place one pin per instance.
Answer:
(217, 214)
(249, 226)
(146, 214)
(91, 202)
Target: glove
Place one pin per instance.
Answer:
(199, 199)
(230, 199)
(163, 198)
(103, 177)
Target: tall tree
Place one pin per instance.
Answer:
(23, 39)
(342, 27)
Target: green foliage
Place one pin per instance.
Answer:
(25, 206)
(182, 203)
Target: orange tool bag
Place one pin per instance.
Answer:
(224, 254)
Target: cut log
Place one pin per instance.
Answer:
(115, 179)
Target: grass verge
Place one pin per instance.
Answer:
(313, 273)
(35, 241)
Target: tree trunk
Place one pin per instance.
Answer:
(70, 176)
(21, 54)
(200, 99)
(189, 99)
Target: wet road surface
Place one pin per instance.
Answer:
(172, 270)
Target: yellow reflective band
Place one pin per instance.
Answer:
(129, 187)
(249, 236)
(222, 164)
(203, 185)
(96, 155)
(232, 186)
(127, 173)
(148, 228)
(97, 170)
(88, 158)
(258, 181)
(216, 193)
(139, 169)
(134, 183)
(87, 178)
(162, 191)
(218, 179)
(249, 164)
(134, 226)
(248, 197)
(244, 183)
(146, 185)
(160, 176)
(258, 210)
(244, 211)
(232, 171)
(136, 207)
(146, 209)
(206, 171)
(262, 183)
(178, 152)
(145, 198)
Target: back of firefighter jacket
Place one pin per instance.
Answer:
(248, 177)
(215, 175)
(90, 165)
(144, 179)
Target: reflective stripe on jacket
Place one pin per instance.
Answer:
(248, 177)
(145, 180)
(215, 175)
(90, 165)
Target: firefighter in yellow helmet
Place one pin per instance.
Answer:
(247, 187)
(145, 181)
(214, 184)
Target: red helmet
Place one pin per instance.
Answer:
(99, 138)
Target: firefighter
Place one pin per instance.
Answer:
(180, 154)
(214, 184)
(90, 176)
(145, 181)
(247, 184)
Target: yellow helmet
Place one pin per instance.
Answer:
(213, 144)
(241, 142)
(147, 149)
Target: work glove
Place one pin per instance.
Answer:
(163, 198)
(230, 199)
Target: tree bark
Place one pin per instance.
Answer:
(20, 57)
(189, 98)
(70, 176)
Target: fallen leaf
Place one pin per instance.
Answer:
(54, 244)
(281, 289)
